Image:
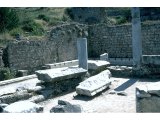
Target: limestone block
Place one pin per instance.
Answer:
(148, 97)
(29, 85)
(97, 64)
(148, 90)
(35, 89)
(120, 71)
(22, 73)
(21, 95)
(6, 91)
(37, 98)
(23, 107)
(62, 64)
(151, 59)
(52, 75)
(141, 92)
(94, 84)
(66, 107)
(104, 56)
(121, 61)
(154, 88)
(17, 79)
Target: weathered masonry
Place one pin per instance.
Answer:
(32, 55)
(61, 46)
(117, 40)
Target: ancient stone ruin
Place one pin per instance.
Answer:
(148, 97)
(85, 68)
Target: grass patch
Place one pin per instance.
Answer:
(6, 74)
(33, 27)
(16, 31)
(43, 17)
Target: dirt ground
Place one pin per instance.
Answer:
(105, 102)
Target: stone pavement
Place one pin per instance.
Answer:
(105, 102)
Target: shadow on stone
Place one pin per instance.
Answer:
(148, 80)
(48, 94)
(126, 85)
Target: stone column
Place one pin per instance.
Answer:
(136, 37)
(82, 53)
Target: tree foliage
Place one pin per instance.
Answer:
(8, 19)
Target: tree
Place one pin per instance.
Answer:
(8, 19)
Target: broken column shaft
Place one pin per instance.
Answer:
(136, 37)
(82, 53)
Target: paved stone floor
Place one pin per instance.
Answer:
(11, 88)
(105, 102)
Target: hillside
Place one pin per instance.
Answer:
(35, 23)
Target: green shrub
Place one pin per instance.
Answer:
(43, 17)
(55, 21)
(127, 15)
(5, 57)
(65, 18)
(16, 31)
(8, 19)
(33, 27)
(68, 11)
(5, 74)
(121, 20)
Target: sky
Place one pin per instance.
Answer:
(79, 3)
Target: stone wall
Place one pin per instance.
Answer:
(65, 38)
(150, 38)
(117, 40)
(32, 55)
(61, 45)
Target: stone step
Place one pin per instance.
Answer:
(62, 64)
(94, 84)
(121, 61)
(92, 64)
(151, 59)
(18, 79)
